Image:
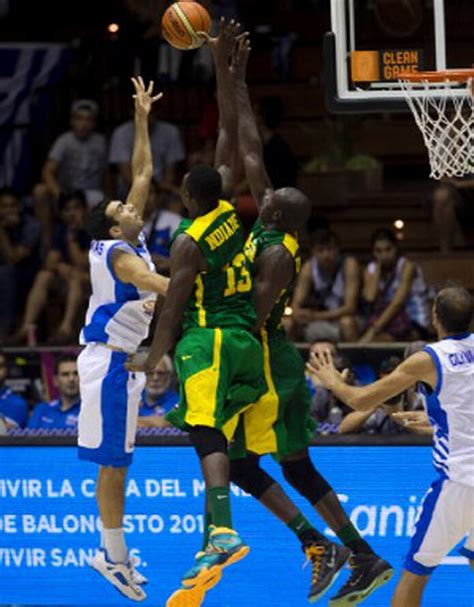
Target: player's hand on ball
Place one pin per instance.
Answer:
(138, 362)
(144, 97)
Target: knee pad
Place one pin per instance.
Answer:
(207, 441)
(303, 476)
(247, 474)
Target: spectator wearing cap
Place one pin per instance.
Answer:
(65, 270)
(167, 150)
(158, 397)
(379, 419)
(63, 412)
(13, 408)
(77, 160)
(19, 257)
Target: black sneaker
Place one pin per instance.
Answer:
(327, 560)
(369, 572)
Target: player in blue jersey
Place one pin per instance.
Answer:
(124, 290)
(446, 370)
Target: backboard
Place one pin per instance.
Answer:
(372, 43)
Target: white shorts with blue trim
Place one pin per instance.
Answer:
(110, 397)
(447, 515)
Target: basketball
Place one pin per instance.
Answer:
(180, 23)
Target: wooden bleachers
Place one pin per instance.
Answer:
(440, 269)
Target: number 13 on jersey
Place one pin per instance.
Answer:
(238, 276)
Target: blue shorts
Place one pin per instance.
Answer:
(446, 517)
(110, 398)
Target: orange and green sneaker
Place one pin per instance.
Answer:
(225, 548)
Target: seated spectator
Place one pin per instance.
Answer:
(377, 420)
(158, 397)
(327, 290)
(76, 161)
(13, 408)
(167, 150)
(453, 209)
(395, 289)
(160, 225)
(63, 412)
(66, 268)
(19, 257)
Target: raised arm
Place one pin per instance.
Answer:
(142, 162)
(227, 149)
(185, 265)
(250, 144)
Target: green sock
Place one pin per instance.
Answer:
(303, 529)
(219, 506)
(207, 523)
(351, 538)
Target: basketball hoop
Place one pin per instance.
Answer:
(443, 106)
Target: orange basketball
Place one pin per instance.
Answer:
(180, 23)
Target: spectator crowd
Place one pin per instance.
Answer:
(42, 413)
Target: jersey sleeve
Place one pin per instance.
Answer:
(35, 419)
(16, 411)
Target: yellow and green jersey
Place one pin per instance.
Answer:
(259, 240)
(223, 293)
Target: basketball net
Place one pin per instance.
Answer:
(446, 122)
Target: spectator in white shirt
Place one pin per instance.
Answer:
(76, 161)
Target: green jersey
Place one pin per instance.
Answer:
(259, 240)
(223, 293)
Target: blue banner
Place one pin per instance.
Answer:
(49, 528)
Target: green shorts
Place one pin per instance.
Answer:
(220, 375)
(280, 422)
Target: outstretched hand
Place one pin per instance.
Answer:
(321, 366)
(240, 56)
(223, 44)
(143, 96)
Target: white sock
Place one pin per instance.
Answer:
(114, 543)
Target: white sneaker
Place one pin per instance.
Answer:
(118, 574)
(137, 577)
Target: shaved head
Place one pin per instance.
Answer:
(295, 208)
(454, 308)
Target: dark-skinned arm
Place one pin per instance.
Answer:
(185, 265)
(275, 271)
(227, 149)
(250, 144)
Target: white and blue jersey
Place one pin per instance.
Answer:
(447, 513)
(118, 317)
(118, 314)
(451, 408)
